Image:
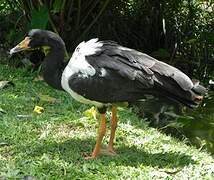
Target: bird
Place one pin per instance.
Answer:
(36, 57)
(105, 74)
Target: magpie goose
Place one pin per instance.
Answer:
(106, 74)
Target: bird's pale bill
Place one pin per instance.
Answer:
(23, 45)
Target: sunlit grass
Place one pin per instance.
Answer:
(51, 145)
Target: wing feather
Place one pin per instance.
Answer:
(147, 64)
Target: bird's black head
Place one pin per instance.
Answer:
(38, 38)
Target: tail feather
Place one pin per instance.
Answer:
(169, 88)
(199, 89)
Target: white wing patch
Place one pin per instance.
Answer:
(88, 48)
(78, 63)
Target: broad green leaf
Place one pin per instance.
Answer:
(57, 6)
(39, 18)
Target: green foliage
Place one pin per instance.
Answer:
(184, 28)
(39, 18)
(191, 24)
(7, 6)
(57, 6)
(68, 18)
(3, 6)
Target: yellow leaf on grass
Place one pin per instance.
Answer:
(38, 109)
(47, 98)
(91, 113)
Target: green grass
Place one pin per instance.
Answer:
(51, 145)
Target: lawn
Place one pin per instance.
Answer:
(51, 145)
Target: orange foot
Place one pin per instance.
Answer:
(91, 156)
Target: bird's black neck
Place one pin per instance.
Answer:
(53, 66)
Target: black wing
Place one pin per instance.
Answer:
(107, 86)
(129, 75)
(146, 63)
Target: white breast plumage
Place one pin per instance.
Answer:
(78, 64)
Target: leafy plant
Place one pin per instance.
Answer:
(39, 18)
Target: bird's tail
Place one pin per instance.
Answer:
(191, 98)
(199, 92)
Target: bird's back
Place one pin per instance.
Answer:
(106, 72)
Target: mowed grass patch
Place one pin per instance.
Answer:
(52, 145)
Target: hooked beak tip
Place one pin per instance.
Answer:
(24, 45)
(16, 49)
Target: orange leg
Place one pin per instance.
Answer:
(113, 129)
(101, 134)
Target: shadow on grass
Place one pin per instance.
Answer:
(133, 156)
(73, 151)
